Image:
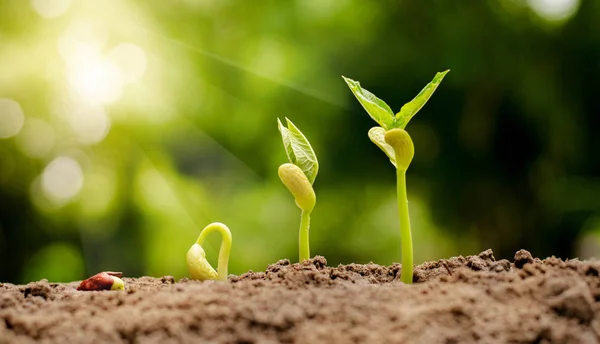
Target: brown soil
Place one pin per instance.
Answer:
(460, 300)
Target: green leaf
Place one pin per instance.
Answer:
(298, 150)
(411, 108)
(375, 107)
(377, 135)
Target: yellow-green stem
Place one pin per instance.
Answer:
(405, 233)
(225, 246)
(304, 248)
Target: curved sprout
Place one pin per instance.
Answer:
(198, 266)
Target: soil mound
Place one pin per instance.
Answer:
(474, 299)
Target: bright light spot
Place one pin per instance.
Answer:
(36, 139)
(554, 10)
(92, 78)
(82, 41)
(79, 55)
(62, 179)
(11, 118)
(90, 124)
(130, 59)
(99, 83)
(50, 8)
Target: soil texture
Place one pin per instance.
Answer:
(474, 299)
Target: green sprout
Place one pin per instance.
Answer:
(395, 142)
(198, 266)
(298, 176)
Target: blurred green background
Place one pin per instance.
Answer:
(127, 126)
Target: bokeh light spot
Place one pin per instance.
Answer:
(90, 124)
(11, 118)
(62, 179)
(92, 77)
(130, 59)
(98, 83)
(36, 139)
(82, 41)
(554, 10)
(50, 8)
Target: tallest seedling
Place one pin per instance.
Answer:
(395, 142)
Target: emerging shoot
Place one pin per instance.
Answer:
(298, 176)
(395, 142)
(198, 266)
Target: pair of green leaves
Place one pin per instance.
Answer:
(383, 114)
(299, 150)
(301, 154)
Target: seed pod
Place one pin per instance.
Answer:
(403, 146)
(198, 266)
(297, 182)
(107, 280)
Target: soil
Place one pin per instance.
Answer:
(476, 299)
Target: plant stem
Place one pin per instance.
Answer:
(225, 246)
(304, 249)
(405, 233)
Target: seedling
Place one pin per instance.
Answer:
(298, 176)
(395, 142)
(198, 266)
(107, 280)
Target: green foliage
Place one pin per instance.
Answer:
(299, 150)
(375, 107)
(411, 108)
(382, 114)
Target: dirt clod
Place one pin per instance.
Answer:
(40, 288)
(522, 257)
(167, 280)
(473, 299)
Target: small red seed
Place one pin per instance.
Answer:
(100, 281)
